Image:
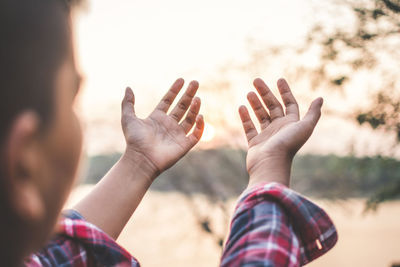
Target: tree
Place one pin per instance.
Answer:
(370, 47)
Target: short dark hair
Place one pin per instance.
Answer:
(34, 40)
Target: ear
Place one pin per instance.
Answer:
(22, 156)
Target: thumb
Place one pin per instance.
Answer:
(314, 112)
(128, 103)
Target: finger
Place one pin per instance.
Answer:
(261, 114)
(314, 113)
(195, 136)
(188, 122)
(128, 102)
(248, 125)
(288, 99)
(184, 103)
(169, 97)
(273, 105)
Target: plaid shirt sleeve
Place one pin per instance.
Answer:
(80, 243)
(275, 226)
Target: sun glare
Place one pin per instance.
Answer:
(209, 133)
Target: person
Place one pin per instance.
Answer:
(41, 146)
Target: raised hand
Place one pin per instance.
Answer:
(282, 132)
(162, 139)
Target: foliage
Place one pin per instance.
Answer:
(369, 46)
(364, 45)
(221, 174)
(384, 113)
(97, 167)
(334, 177)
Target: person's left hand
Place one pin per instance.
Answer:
(162, 139)
(282, 134)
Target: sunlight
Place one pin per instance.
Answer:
(119, 44)
(209, 133)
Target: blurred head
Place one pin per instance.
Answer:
(40, 137)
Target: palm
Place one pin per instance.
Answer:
(281, 135)
(160, 137)
(285, 134)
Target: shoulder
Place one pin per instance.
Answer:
(80, 243)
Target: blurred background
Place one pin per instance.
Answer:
(348, 52)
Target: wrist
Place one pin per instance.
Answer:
(271, 169)
(140, 164)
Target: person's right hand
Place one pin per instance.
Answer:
(282, 133)
(160, 140)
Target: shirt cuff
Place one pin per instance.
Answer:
(313, 227)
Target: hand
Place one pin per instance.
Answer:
(161, 139)
(282, 133)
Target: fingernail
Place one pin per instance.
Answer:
(128, 93)
(194, 83)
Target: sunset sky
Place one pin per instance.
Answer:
(148, 44)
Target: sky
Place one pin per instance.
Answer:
(148, 44)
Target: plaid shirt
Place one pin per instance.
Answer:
(275, 226)
(272, 226)
(80, 243)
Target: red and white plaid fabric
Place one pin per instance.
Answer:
(275, 226)
(272, 226)
(80, 243)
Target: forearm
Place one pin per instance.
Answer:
(262, 236)
(275, 226)
(114, 199)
